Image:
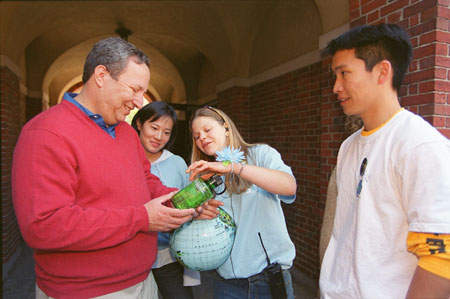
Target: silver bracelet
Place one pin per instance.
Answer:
(242, 168)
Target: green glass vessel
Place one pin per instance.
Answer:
(196, 193)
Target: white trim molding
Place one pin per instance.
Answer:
(37, 94)
(6, 61)
(324, 39)
(295, 64)
(23, 89)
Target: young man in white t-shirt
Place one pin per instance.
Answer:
(391, 234)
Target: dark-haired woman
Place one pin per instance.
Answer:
(155, 126)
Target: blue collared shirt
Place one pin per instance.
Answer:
(97, 118)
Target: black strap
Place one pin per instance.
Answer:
(223, 191)
(267, 256)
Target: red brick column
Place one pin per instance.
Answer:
(12, 120)
(426, 87)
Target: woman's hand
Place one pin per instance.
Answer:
(204, 166)
(271, 180)
(208, 210)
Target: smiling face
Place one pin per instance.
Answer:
(124, 94)
(355, 86)
(209, 135)
(154, 135)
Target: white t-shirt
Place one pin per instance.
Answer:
(405, 187)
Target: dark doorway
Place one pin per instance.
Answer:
(183, 140)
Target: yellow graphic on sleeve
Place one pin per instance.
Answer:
(433, 251)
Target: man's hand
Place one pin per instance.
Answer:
(208, 210)
(163, 218)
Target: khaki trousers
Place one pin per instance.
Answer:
(143, 290)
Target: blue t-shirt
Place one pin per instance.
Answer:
(257, 210)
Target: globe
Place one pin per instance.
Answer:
(204, 245)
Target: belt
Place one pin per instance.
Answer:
(260, 276)
(257, 277)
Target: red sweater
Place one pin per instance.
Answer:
(78, 194)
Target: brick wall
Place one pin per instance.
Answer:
(285, 113)
(332, 131)
(12, 120)
(235, 102)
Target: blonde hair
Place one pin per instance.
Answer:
(234, 183)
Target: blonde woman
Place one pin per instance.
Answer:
(256, 189)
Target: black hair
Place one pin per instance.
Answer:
(374, 43)
(113, 53)
(154, 111)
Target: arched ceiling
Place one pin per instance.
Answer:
(193, 45)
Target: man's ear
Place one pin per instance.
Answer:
(100, 73)
(385, 72)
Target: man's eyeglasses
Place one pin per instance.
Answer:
(362, 170)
